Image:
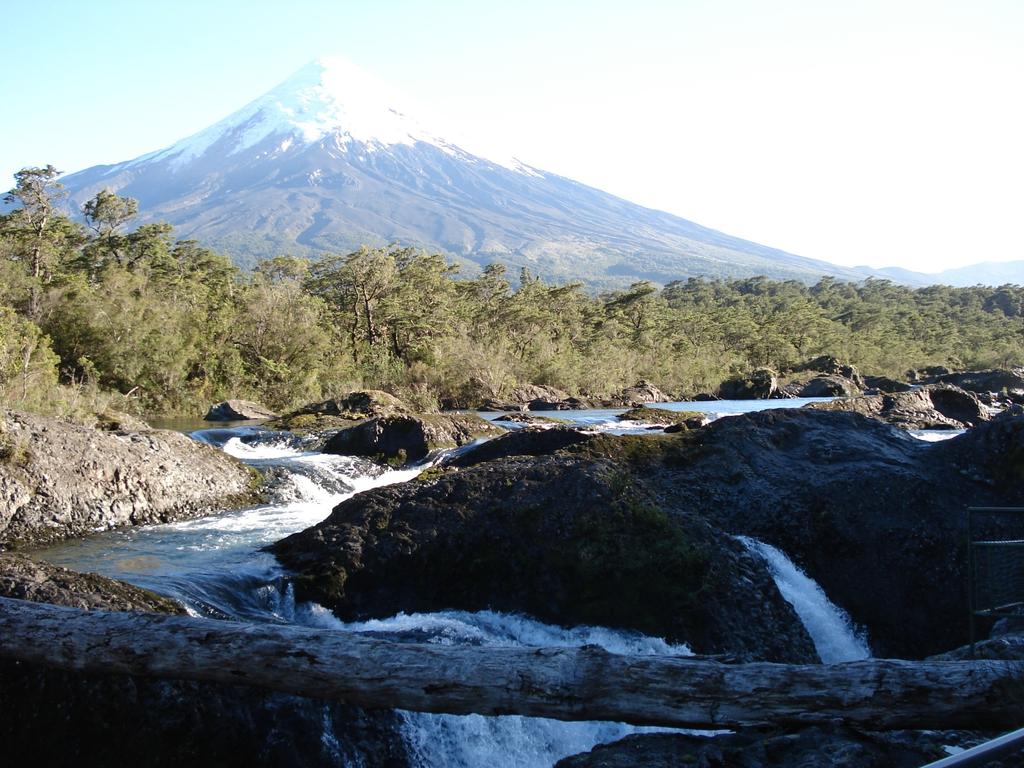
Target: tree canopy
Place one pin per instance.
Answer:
(166, 325)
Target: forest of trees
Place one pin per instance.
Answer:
(100, 315)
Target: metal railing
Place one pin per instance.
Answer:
(995, 566)
(1005, 745)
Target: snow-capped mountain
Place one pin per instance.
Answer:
(329, 160)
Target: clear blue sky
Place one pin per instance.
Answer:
(886, 133)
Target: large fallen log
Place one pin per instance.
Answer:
(564, 683)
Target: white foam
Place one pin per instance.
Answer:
(935, 435)
(476, 741)
(261, 451)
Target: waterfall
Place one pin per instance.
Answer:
(476, 741)
(835, 636)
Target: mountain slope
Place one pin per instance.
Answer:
(327, 161)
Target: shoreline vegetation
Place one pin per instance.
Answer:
(98, 317)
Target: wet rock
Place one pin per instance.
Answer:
(998, 380)
(65, 718)
(640, 393)
(568, 404)
(570, 539)
(239, 410)
(934, 406)
(809, 748)
(885, 385)
(342, 411)
(830, 366)
(1001, 646)
(26, 579)
(59, 480)
(663, 416)
(397, 439)
(829, 385)
(526, 418)
(928, 375)
(759, 384)
(529, 392)
(501, 405)
(873, 515)
(531, 441)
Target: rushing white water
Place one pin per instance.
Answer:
(834, 634)
(475, 741)
(935, 435)
(606, 419)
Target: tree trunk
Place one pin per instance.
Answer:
(565, 683)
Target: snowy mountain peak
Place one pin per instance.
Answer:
(328, 96)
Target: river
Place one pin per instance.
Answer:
(215, 567)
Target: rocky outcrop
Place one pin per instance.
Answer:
(60, 718)
(530, 441)
(621, 530)
(937, 406)
(239, 410)
(873, 515)
(830, 366)
(835, 747)
(397, 439)
(526, 418)
(759, 384)
(569, 539)
(342, 411)
(26, 579)
(997, 380)
(526, 393)
(568, 404)
(829, 385)
(639, 394)
(665, 417)
(885, 385)
(59, 480)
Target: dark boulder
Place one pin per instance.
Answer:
(665, 417)
(568, 539)
(928, 375)
(59, 480)
(531, 441)
(501, 405)
(934, 406)
(65, 718)
(409, 438)
(830, 366)
(342, 411)
(885, 385)
(808, 748)
(640, 393)
(239, 410)
(875, 516)
(26, 579)
(759, 384)
(829, 385)
(999, 380)
(628, 531)
(526, 418)
(527, 392)
(568, 404)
